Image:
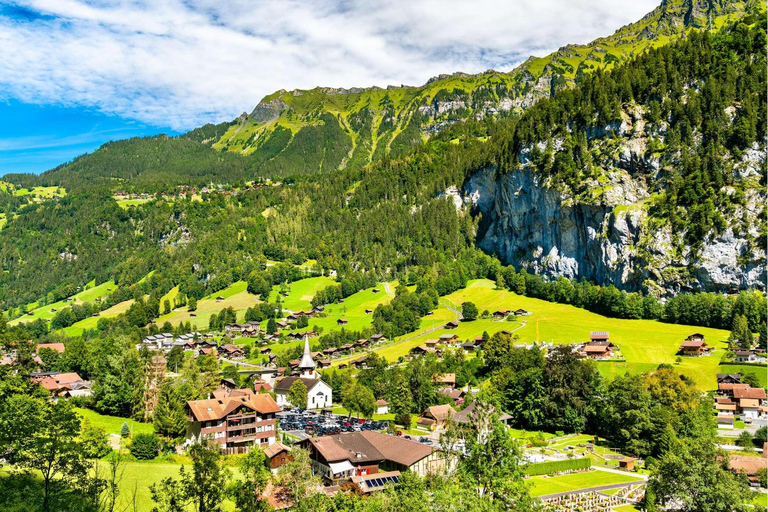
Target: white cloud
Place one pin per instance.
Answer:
(181, 63)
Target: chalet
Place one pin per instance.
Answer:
(449, 338)
(725, 421)
(728, 389)
(421, 350)
(316, 356)
(382, 407)
(347, 347)
(324, 363)
(363, 343)
(360, 364)
(469, 347)
(697, 336)
(453, 324)
(265, 351)
(457, 395)
(748, 466)
(318, 309)
(728, 378)
(230, 351)
(228, 384)
(694, 348)
(330, 351)
(233, 328)
(748, 356)
(238, 421)
(278, 455)
(445, 379)
(57, 347)
(207, 352)
(501, 314)
(343, 366)
(436, 417)
(522, 312)
(337, 459)
(599, 336)
(431, 343)
(342, 321)
(378, 338)
(597, 350)
(282, 324)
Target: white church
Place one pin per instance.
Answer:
(319, 394)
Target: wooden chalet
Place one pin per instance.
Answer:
(453, 324)
(694, 348)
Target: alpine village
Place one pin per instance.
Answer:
(534, 290)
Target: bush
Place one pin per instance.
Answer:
(469, 311)
(557, 466)
(404, 420)
(94, 441)
(144, 446)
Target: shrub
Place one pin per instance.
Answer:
(125, 431)
(144, 446)
(557, 466)
(94, 441)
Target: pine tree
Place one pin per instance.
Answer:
(125, 430)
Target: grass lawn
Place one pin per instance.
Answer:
(760, 499)
(235, 296)
(113, 424)
(77, 328)
(644, 343)
(626, 508)
(88, 295)
(301, 292)
(550, 485)
(352, 309)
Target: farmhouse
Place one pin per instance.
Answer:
(501, 314)
(599, 336)
(421, 350)
(319, 394)
(453, 324)
(435, 417)
(378, 338)
(522, 312)
(728, 378)
(233, 352)
(342, 321)
(236, 422)
(598, 349)
(63, 384)
(337, 459)
(694, 348)
(448, 338)
(445, 379)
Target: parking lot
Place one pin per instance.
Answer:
(303, 424)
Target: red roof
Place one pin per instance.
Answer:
(755, 393)
(58, 347)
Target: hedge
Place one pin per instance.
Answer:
(557, 466)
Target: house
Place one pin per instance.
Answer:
(261, 385)
(342, 321)
(469, 347)
(233, 328)
(230, 351)
(382, 407)
(378, 338)
(324, 363)
(58, 347)
(339, 458)
(599, 336)
(277, 454)
(597, 350)
(729, 378)
(319, 394)
(748, 356)
(694, 348)
(728, 389)
(265, 351)
(751, 402)
(522, 312)
(282, 324)
(330, 351)
(697, 336)
(63, 384)
(235, 422)
(445, 379)
(501, 314)
(436, 417)
(421, 350)
(453, 324)
(431, 344)
(725, 421)
(449, 338)
(457, 395)
(747, 465)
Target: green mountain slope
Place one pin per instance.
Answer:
(325, 128)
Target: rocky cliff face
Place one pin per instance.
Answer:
(531, 225)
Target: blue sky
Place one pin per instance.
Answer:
(77, 73)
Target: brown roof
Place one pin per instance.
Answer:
(746, 464)
(439, 412)
(724, 386)
(381, 402)
(215, 409)
(725, 407)
(444, 378)
(693, 344)
(756, 393)
(598, 349)
(58, 347)
(749, 402)
(372, 446)
(275, 448)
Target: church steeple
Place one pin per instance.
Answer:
(307, 365)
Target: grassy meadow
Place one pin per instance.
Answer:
(113, 424)
(542, 485)
(90, 294)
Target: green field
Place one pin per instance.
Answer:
(113, 424)
(77, 328)
(644, 343)
(301, 292)
(88, 295)
(235, 296)
(550, 485)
